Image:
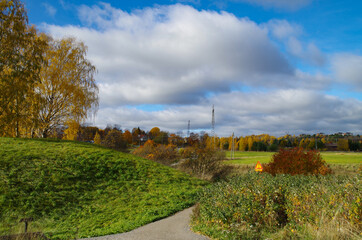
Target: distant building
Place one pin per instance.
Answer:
(332, 146)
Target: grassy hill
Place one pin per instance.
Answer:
(74, 190)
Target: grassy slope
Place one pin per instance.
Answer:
(264, 157)
(75, 190)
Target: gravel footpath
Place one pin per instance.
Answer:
(175, 227)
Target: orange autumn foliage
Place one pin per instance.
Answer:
(297, 161)
(157, 152)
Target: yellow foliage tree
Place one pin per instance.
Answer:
(20, 62)
(154, 132)
(71, 133)
(250, 142)
(97, 139)
(67, 90)
(342, 144)
(243, 144)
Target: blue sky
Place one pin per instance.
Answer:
(268, 66)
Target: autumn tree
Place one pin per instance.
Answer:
(20, 63)
(127, 135)
(71, 133)
(161, 138)
(137, 134)
(154, 132)
(342, 144)
(87, 133)
(67, 90)
(250, 142)
(97, 139)
(114, 139)
(224, 143)
(243, 144)
(193, 139)
(175, 139)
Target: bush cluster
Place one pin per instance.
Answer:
(259, 206)
(204, 162)
(158, 152)
(200, 161)
(297, 161)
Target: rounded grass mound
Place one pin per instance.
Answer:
(75, 190)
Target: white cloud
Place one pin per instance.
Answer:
(283, 29)
(289, 5)
(275, 112)
(50, 9)
(290, 34)
(175, 54)
(348, 69)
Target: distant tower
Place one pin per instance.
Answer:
(188, 129)
(213, 125)
(232, 152)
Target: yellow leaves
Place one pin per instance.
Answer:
(20, 58)
(71, 133)
(68, 87)
(97, 139)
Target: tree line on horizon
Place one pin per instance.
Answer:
(123, 139)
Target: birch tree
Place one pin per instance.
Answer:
(68, 91)
(20, 63)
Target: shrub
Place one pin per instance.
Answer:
(204, 162)
(297, 161)
(262, 206)
(158, 152)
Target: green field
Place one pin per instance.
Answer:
(74, 190)
(264, 157)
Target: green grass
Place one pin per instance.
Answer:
(342, 157)
(75, 190)
(264, 157)
(249, 157)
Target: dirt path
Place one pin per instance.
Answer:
(175, 227)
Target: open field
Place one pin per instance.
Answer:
(74, 190)
(264, 157)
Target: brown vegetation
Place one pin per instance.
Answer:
(297, 161)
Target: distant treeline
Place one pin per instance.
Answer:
(121, 139)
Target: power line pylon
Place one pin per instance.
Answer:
(188, 129)
(213, 125)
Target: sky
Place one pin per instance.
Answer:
(267, 66)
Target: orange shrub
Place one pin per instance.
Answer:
(297, 161)
(158, 152)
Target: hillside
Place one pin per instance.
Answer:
(74, 190)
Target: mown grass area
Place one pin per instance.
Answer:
(248, 157)
(74, 190)
(260, 206)
(342, 157)
(264, 157)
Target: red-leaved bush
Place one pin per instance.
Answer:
(297, 161)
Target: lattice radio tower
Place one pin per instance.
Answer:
(213, 125)
(188, 129)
